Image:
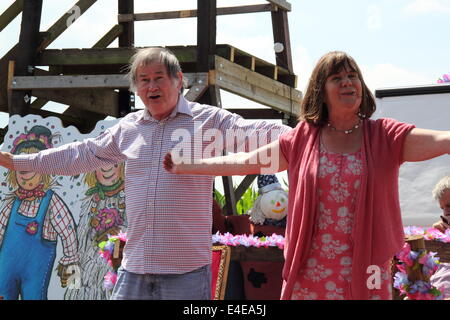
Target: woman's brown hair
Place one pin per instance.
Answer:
(313, 107)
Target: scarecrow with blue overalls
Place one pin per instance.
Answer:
(31, 220)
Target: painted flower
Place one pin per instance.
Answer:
(108, 217)
(32, 228)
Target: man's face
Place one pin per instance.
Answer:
(157, 90)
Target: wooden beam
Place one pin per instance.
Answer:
(244, 185)
(258, 113)
(251, 85)
(283, 4)
(26, 54)
(230, 199)
(11, 13)
(196, 92)
(109, 37)
(280, 27)
(126, 40)
(206, 34)
(193, 13)
(106, 81)
(66, 119)
(70, 82)
(242, 253)
(97, 56)
(64, 22)
(101, 101)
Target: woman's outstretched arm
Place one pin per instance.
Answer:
(265, 160)
(424, 144)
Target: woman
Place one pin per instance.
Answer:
(344, 222)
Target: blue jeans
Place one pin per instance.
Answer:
(194, 285)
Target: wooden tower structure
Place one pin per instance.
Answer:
(90, 80)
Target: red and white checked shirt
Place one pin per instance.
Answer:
(169, 216)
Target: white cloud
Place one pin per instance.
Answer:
(386, 75)
(428, 6)
(303, 66)
(374, 17)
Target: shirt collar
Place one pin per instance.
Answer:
(181, 107)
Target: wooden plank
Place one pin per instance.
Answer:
(206, 34)
(70, 82)
(101, 101)
(109, 37)
(230, 199)
(192, 13)
(65, 22)
(67, 120)
(258, 113)
(195, 92)
(280, 27)
(110, 81)
(26, 54)
(11, 13)
(441, 248)
(251, 85)
(10, 79)
(242, 253)
(97, 56)
(244, 185)
(283, 4)
(126, 39)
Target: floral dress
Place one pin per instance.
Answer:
(326, 274)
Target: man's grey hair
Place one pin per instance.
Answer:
(441, 187)
(147, 56)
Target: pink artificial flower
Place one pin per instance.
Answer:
(110, 280)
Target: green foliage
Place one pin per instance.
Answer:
(247, 201)
(220, 198)
(243, 205)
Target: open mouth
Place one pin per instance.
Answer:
(154, 97)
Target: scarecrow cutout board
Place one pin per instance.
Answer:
(50, 225)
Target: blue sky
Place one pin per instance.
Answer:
(395, 42)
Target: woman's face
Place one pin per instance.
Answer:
(108, 175)
(28, 180)
(343, 92)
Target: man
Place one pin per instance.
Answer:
(168, 253)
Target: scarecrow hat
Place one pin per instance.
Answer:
(268, 183)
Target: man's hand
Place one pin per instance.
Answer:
(6, 160)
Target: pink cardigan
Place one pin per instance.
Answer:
(378, 232)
